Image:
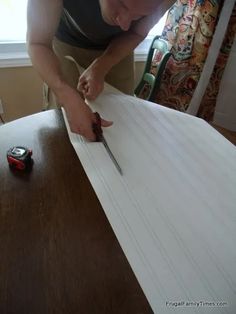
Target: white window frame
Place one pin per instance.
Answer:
(14, 53)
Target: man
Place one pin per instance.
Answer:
(100, 35)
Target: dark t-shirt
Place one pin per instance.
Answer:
(82, 25)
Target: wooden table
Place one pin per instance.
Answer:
(58, 252)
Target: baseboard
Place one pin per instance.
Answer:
(225, 121)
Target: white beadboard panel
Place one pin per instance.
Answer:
(174, 208)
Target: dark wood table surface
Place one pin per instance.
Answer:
(58, 252)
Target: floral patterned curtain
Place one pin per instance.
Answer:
(189, 29)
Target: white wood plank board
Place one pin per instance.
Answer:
(174, 209)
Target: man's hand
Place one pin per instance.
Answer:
(91, 82)
(79, 114)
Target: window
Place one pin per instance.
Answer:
(158, 28)
(13, 34)
(12, 20)
(142, 50)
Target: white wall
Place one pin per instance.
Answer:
(225, 113)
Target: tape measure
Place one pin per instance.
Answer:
(19, 157)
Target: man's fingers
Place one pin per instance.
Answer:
(93, 92)
(106, 123)
(89, 96)
(83, 87)
(87, 133)
(82, 79)
(86, 90)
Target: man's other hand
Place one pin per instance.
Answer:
(91, 82)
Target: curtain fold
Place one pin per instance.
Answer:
(189, 29)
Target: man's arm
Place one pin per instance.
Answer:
(119, 48)
(91, 82)
(43, 18)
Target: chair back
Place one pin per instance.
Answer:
(157, 58)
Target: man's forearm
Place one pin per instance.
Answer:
(118, 49)
(47, 65)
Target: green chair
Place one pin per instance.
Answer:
(158, 56)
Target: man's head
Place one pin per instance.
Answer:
(123, 12)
